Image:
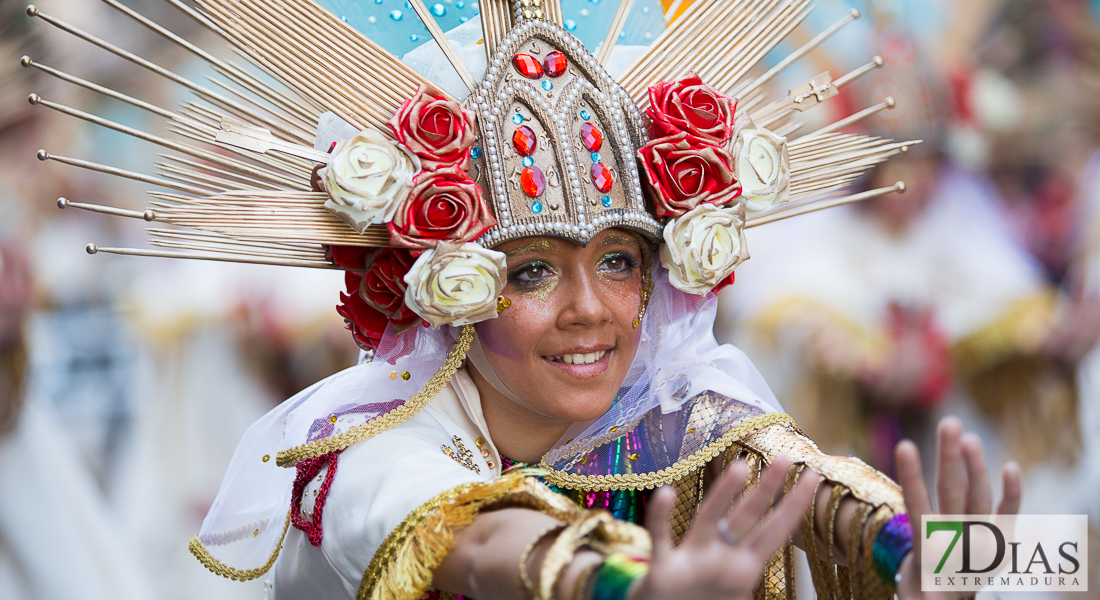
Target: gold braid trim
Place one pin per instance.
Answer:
(218, 567)
(373, 427)
(667, 475)
(403, 567)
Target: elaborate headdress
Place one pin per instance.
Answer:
(418, 185)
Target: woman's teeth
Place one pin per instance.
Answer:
(579, 359)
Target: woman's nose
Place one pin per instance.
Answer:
(586, 306)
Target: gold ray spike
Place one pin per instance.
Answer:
(444, 43)
(147, 215)
(226, 173)
(806, 48)
(213, 238)
(774, 114)
(553, 11)
(875, 63)
(26, 61)
(758, 46)
(613, 32)
(94, 249)
(888, 103)
(319, 56)
(91, 166)
(241, 77)
(898, 187)
(185, 176)
(206, 93)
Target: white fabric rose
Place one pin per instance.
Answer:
(367, 178)
(456, 284)
(703, 246)
(763, 168)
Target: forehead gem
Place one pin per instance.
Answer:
(533, 182)
(555, 64)
(517, 119)
(595, 157)
(524, 141)
(591, 137)
(528, 161)
(475, 153)
(585, 115)
(601, 177)
(547, 85)
(527, 65)
(606, 201)
(536, 207)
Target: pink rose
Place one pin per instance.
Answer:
(683, 171)
(437, 130)
(691, 106)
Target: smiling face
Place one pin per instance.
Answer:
(565, 344)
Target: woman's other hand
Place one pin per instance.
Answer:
(962, 487)
(724, 553)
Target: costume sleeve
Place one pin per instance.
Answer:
(879, 500)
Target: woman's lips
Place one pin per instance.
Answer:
(581, 364)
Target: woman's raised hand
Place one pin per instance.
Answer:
(724, 552)
(962, 487)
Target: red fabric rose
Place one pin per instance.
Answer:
(442, 205)
(364, 322)
(437, 130)
(348, 257)
(691, 106)
(724, 283)
(383, 286)
(683, 171)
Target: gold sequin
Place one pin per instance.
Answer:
(614, 429)
(692, 430)
(633, 457)
(492, 465)
(256, 533)
(266, 457)
(393, 374)
(332, 419)
(406, 375)
(485, 453)
(480, 442)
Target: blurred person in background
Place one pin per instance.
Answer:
(885, 315)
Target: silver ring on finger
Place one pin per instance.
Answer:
(727, 536)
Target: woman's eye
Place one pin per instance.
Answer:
(530, 273)
(617, 263)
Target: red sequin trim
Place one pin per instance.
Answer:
(307, 470)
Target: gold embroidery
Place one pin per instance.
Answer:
(464, 457)
(675, 472)
(354, 435)
(217, 567)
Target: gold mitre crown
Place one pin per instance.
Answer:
(557, 138)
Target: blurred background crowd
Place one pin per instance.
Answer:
(125, 383)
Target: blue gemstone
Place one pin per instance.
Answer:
(585, 115)
(408, 5)
(594, 1)
(475, 152)
(606, 201)
(546, 85)
(622, 35)
(460, 4)
(517, 119)
(570, 25)
(378, 1)
(439, 10)
(595, 157)
(536, 207)
(344, 19)
(645, 10)
(528, 161)
(463, 19)
(413, 37)
(396, 15)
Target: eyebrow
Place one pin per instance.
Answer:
(532, 247)
(617, 239)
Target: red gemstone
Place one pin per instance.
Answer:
(555, 63)
(527, 65)
(532, 181)
(601, 177)
(591, 137)
(524, 141)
